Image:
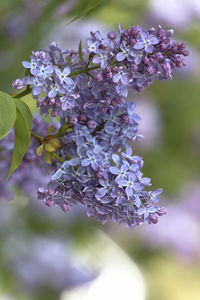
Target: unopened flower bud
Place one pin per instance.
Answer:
(99, 174)
(112, 35)
(65, 207)
(153, 218)
(73, 121)
(162, 211)
(82, 117)
(51, 192)
(54, 113)
(18, 84)
(169, 33)
(52, 101)
(99, 76)
(41, 193)
(49, 202)
(125, 118)
(91, 124)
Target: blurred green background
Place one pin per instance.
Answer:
(167, 254)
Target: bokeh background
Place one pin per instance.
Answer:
(46, 254)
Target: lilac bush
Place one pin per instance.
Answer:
(93, 162)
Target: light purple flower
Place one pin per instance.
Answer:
(93, 46)
(121, 172)
(63, 76)
(45, 71)
(124, 53)
(154, 195)
(128, 183)
(33, 66)
(146, 42)
(145, 211)
(122, 75)
(101, 59)
(137, 56)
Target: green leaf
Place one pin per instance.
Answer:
(26, 113)
(80, 51)
(84, 8)
(22, 128)
(30, 101)
(7, 114)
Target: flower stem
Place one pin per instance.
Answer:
(57, 157)
(81, 71)
(37, 137)
(22, 94)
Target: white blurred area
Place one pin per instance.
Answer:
(119, 277)
(150, 125)
(176, 13)
(68, 36)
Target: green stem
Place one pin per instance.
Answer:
(57, 157)
(86, 70)
(22, 94)
(37, 137)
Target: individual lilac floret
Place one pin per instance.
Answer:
(93, 46)
(63, 75)
(147, 41)
(101, 59)
(124, 53)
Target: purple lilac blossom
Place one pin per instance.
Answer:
(88, 91)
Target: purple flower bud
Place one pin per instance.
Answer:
(174, 48)
(91, 124)
(159, 56)
(18, 84)
(152, 60)
(120, 100)
(65, 207)
(162, 211)
(41, 193)
(82, 117)
(57, 104)
(126, 33)
(99, 77)
(114, 69)
(135, 30)
(125, 118)
(41, 101)
(185, 52)
(146, 60)
(163, 46)
(54, 113)
(132, 42)
(169, 33)
(160, 32)
(52, 101)
(112, 35)
(99, 174)
(49, 202)
(51, 192)
(73, 121)
(150, 70)
(153, 218)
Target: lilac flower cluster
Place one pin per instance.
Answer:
(87, 90)
(110, 185)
